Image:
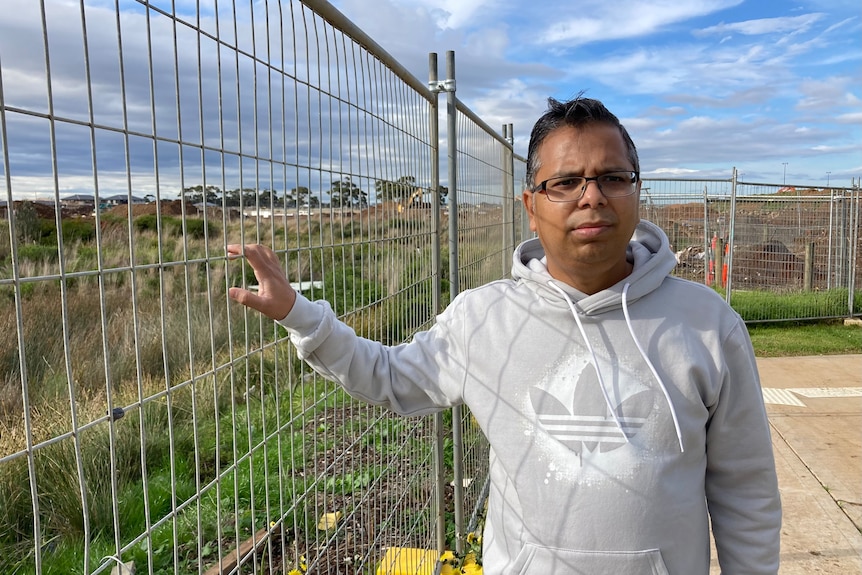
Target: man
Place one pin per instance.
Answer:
(622, 405)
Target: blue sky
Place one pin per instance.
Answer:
(772, 88)
(702, 85)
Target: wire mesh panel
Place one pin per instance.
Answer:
(144, 417)
(483, 254)
(762, 242)
(691, 212)
(488, 229)
(796, 243)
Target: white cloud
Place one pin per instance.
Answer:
(687, 69)
(781, 25)
(640, 18)
(851, 118)
(671, 172)
(827, 94)
(459, 12)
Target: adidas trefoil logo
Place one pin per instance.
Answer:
(589, 424)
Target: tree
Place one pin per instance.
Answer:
(405, 192)
(231, 198)
(268, 197)
(301, 195)
(197, 194)
(344, 193)
(249, 197)
(399, 190)
(27, 226)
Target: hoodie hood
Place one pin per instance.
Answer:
(649, 251)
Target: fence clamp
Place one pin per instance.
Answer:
(442, 86)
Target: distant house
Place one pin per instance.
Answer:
(120, 200)
(78, 200)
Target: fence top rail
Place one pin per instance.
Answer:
(796, 198)
(765, 198)
(795, 186)
(331, 14)
(705, 180)
(461, 107)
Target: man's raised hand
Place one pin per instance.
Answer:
(275, 297)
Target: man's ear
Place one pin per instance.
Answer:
(529, 199)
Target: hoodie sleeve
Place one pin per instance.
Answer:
(741, 484)
(415, 378)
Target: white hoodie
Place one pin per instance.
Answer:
(619, 422)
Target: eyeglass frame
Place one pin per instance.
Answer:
(542, 187)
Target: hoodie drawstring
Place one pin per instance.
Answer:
(592, 359)
(595, 364)
(651, 367)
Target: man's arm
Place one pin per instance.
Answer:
(741, 483)
(405, 378)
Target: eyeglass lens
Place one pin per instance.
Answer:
(570, 188)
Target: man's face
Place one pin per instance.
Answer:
(585, 241)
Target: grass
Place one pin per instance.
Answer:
(805, 338)
(768, 306)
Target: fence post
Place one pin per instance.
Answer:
(508, 199)
(829, 244)
(730, 236)
(707, 260)
(436, 296)
(808, 270)
(457, 437)
(843, 251)
(854, 247)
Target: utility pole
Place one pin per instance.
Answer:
(827, 179)
(785, 173)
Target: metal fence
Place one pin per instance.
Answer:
(778, 252)
(146, 419)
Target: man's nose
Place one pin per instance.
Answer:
(592, 196)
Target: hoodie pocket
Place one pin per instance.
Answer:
(535, 560)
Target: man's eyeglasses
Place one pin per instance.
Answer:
(572, 188)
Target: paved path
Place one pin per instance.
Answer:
(815, 410)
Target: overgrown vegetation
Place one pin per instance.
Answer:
(202, 392)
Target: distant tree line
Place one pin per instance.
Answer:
(342, 193)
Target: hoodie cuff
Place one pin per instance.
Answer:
(308, 324)
(303, 317)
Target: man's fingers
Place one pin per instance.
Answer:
(237, 294)
(245, 297)
(233, 251)
(256, 255)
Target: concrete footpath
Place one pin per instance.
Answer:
(815, 411)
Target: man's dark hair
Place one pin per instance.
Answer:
(576, 113)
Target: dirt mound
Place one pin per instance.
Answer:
(167, 208)
(46, 211)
